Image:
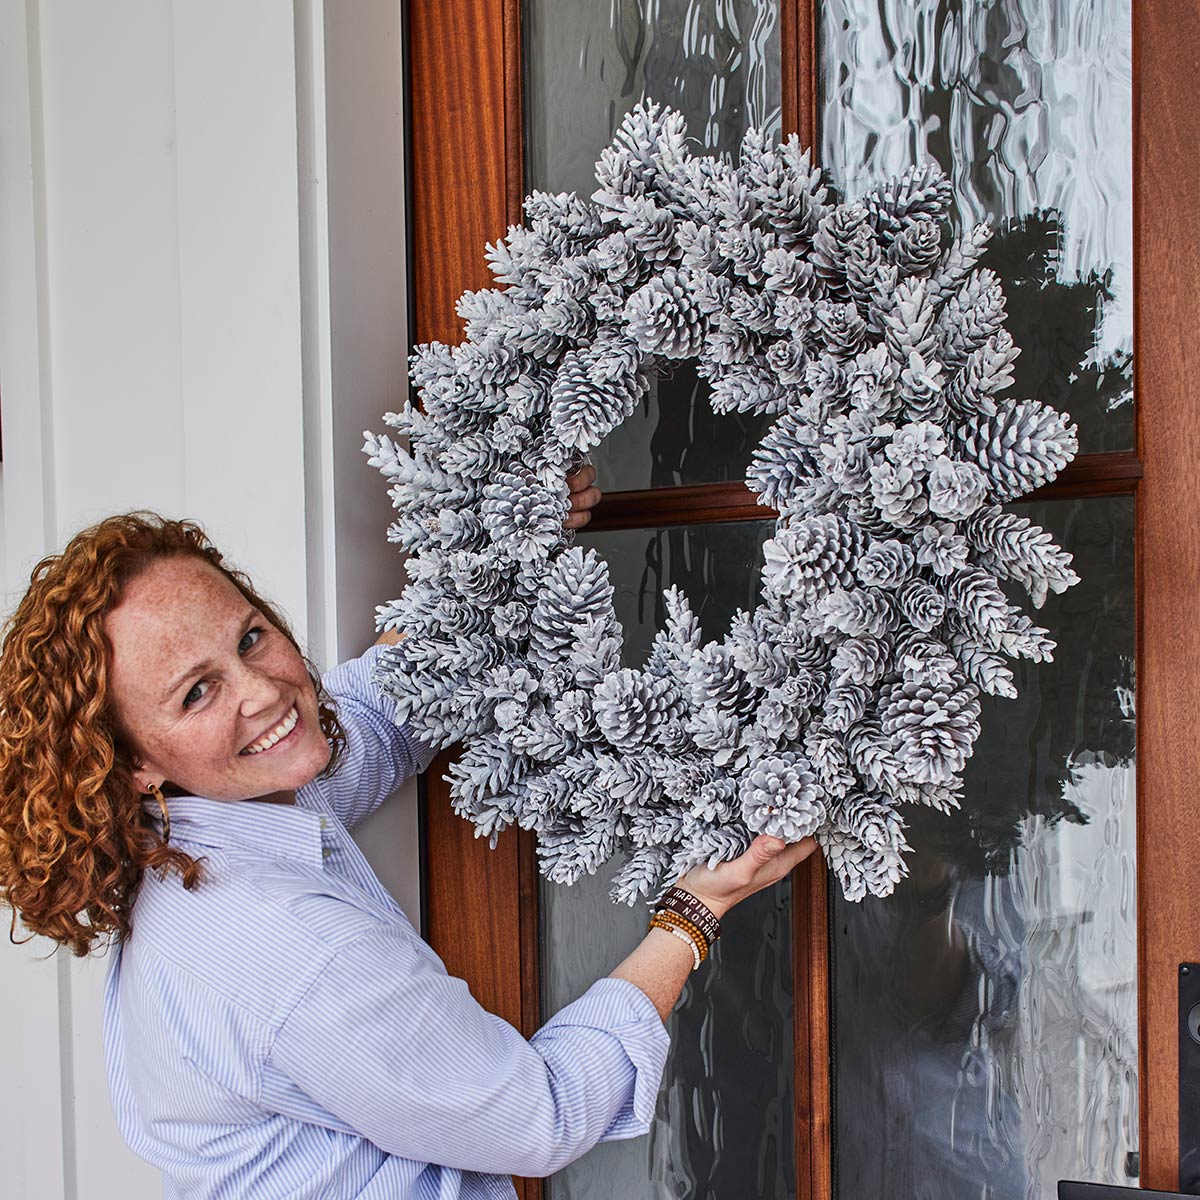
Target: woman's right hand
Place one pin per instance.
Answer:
(766, 862)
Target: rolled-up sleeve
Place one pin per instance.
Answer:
(400, 1052)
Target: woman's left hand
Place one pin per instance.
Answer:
(584, 496)
(767, 861)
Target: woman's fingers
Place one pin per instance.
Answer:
(582, 501)
(584, 496)
(790, 857)
(582, 478)
(767, 861)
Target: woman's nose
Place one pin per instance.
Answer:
(257, 692)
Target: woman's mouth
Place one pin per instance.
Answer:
(279, 735)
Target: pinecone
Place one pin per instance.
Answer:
(973, 315)
(916, 445)
(869, 279)
(872, 755)
(989, 671)
(583, 409)
(862, 660)
(480, 578)
(857, 612)
(809, 557)
(511, 621)
(980, 605)
(956, 489)
(651, 232)
(934, 728)
(922, 192)
(830, 763)
(781, 797)
(841, 327)
(748, 388)
(1022, 447)
(898, 494)
(917, 247)
(922, 605)
(662, 318)
(941, 548)
(576, 587)
(831, 245)
(885, 564)
(781, 716)
(619, 262)
(713, 681)
(641, 876)
(787, 272)
(864, 846)
(985, 373)
(845, 704)
(922, 388)
(847, 464)
(522, 517)
(596, 651)
(923, 660)
(789, 190)
(629, 705)
(783, 460)
(1012, 547)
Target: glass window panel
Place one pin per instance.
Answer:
(724, 1124)
(586, 65)
(1027, 105)
(987, 1049)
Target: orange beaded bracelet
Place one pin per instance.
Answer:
(686, 938)
(688, 926)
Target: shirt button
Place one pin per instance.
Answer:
(326, 852)
(324, 823)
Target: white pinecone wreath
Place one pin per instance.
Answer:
(853, 689)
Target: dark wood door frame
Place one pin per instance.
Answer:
(466, 188)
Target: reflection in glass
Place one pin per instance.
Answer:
(724, 1123)
(1027, 105)
(986, 1013)
(586, 65)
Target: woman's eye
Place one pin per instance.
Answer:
(259, 630)
(192, 696)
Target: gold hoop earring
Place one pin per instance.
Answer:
(156, 792)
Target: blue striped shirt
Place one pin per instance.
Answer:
(283, 1031)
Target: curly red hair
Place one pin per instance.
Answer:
(74, 837)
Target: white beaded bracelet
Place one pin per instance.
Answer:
(687, 941)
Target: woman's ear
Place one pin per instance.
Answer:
(142, 776)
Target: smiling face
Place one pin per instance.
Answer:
(202, 685)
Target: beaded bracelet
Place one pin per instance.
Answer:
(687, 927)
(687, 939)
(677, 900)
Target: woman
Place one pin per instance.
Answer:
(177, 780)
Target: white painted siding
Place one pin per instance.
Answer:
(202, 307)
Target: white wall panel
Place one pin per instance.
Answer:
(112, 285)
(235, 101)
(35, 1142)
(193, 318)
(368, 316)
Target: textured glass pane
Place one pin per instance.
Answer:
(724, 1123)
(986, 1013)
(1027, 105)
(587, 63)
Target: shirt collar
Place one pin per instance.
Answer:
(275, 830)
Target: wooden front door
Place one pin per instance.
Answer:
(1038, 1030)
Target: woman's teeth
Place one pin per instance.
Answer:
(280, 731)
